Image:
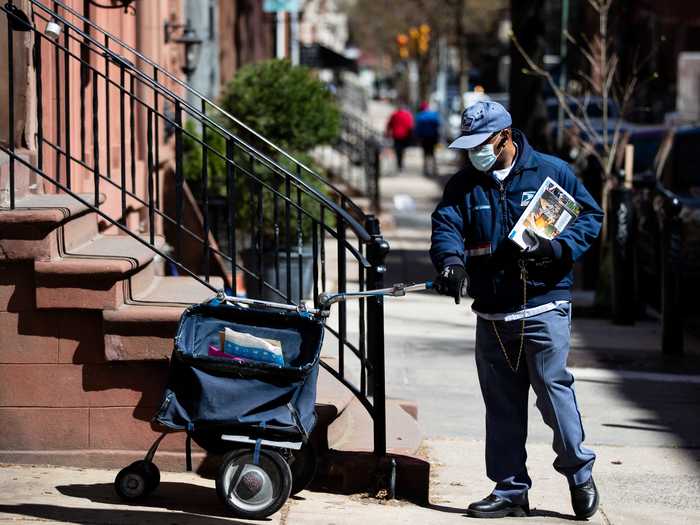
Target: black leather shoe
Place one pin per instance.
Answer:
(584, 499)
(496, 507)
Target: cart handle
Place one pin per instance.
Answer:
(301, 307)
(327, 299)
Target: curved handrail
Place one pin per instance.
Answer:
(355, 224)
(323, 199)
(352, 222)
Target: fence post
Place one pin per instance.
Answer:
(671, 284)
(375, 173)
(622, 222)
(377, 250)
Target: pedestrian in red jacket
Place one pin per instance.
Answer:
(400, 129)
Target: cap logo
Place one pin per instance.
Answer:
(469, 120)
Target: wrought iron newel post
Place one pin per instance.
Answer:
(377, 250)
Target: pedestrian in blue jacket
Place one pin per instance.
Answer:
(522, 299)
(427, 131)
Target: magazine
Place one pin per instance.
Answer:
(249, 347)
(548, 213)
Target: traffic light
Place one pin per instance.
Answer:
(423, 38)
(415, 35)
(402, 42)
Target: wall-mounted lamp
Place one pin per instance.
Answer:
(18, 19)
(116, 4)
(187, 38)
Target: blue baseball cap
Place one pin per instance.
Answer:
(480, 121)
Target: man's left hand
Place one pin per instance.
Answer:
(539, 248)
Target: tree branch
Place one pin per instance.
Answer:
(560, 94)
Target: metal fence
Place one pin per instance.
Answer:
(355, 159)
(270, 206)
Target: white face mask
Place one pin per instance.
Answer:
(483, 157)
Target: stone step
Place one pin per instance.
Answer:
(103, 414)
(351, 466)
(42, 227)
(352, 431)
(143, 327)
(332, 399)
(102, 273)
(353, 472)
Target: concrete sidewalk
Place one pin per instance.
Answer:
(639, 485)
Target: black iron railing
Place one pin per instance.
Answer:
(278, 215)
(355, 158)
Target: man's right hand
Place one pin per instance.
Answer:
(506, 255)
(451, 281)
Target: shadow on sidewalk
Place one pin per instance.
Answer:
(59, 514)
(187, 498)
(534, 513)
(540, 513)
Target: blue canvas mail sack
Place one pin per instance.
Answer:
(206, 393)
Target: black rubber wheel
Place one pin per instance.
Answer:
(250, 490)
(303, 468)
(137, 480)
(151, 471)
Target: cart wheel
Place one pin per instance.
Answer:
(253, 491)
(152, 473)
(137, 480)
(303, 468)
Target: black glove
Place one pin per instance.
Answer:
(452, 281)
(539, 248)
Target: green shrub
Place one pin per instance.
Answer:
(247, 188)
(286, 104)
(290, 107)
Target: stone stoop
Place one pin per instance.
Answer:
(87, 325)
(102, 274)
(62, 400)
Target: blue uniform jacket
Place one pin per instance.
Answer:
(471, 224)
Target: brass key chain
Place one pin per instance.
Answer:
(523, 275)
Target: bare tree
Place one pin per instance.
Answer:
(602, 80)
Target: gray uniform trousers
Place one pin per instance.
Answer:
(542, 366)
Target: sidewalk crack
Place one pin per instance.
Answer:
(605, 516)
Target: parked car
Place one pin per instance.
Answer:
(592, 108)
(667, 206)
